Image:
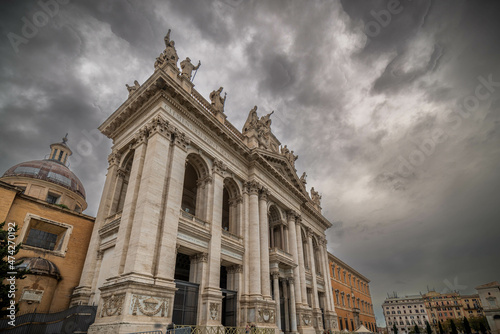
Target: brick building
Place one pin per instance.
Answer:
(351, 295)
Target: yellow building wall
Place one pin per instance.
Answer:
(70, 265)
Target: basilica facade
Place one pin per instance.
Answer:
(200, 223)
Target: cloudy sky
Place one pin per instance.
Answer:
(393, 109)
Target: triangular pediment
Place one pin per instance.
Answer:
(282, 165)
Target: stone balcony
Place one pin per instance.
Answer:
(280, 256)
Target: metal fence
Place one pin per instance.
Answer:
(75, 319)
(186, 329)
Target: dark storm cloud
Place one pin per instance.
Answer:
(409, 209)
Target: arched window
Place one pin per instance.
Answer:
(231, 200)
(121, 184)
(190, 189)
(305, 249)
(278, 230)
(194, 192)
(316, 250)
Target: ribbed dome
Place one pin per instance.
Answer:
(39, 266)
(48, 170)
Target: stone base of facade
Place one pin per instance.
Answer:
(81, 296)
(261, 313)
(127, 306)
(305, 323)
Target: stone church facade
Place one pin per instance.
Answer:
(199, 223)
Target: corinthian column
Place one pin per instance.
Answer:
(291, 215)
(293, 309)
(254, 240)
(264, 245)
(313, 269)
(276, 282)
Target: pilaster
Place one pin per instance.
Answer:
(211, 306)
(83, 292)
(147, 221)
(177, 166)
(264, 245)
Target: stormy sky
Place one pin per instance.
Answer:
(393, 108)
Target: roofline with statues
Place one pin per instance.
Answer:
(256, 143)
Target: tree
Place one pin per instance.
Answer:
(8, 251)
(416, 329)
(428, 327)
(482, 328)
(453, 327)
(467, 328)
(441, 330)
(395, 329)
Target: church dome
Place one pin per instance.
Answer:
(48, 170)
(39, 266)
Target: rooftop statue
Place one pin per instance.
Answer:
(252, 120)
(132, 89)
(217, 100)
(303, 179)
(187, 67)
(169, 55)
(170, 52)
(316, 197)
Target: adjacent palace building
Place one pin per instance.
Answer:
(434, 307)
(351, 295)
(200, 223)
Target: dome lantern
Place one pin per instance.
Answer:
(60, 151)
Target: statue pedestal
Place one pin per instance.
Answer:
(186, 84)
(220, 116)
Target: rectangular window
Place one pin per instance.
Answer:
(52, 199)
(41, 239)
(45, 234)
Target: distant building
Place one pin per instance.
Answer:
(45, 199)
(351, 296)
(472, 306)
(404, 312)
(490, 298)
(443, 306)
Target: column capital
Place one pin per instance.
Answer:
(291, 215)
(275, 274)
(253, 187)
(219, 167)
(180, 139)
(291, 280)
(161, 126)
(140, 137)
(200, 257)
(264, 194)
(121, 172)
(114, 158)
(309, 231)
(235, 269)
(322, 241)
